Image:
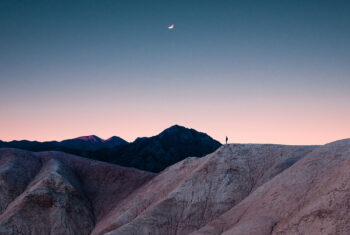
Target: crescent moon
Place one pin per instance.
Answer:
(171, 26)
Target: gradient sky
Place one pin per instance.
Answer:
(256, 71)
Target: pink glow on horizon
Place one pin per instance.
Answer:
(246, 116)
(242, 124)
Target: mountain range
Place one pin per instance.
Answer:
(83, 143)
(147, 153)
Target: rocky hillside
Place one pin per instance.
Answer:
(312, 197)
(238, 189)
(58, 193)
(196, 191)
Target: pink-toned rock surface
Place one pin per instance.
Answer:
(105, 185)
(239, 189)
(58, 193)
(17, 169)
(53, 203)
(188, 195)
(311, 197)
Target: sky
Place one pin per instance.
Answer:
(255, 71)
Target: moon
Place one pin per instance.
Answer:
(171, 26)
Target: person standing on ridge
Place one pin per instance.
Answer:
(226, 140)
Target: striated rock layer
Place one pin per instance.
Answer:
(238, 189)
(196, 191)
(58, 193)
(311, 197)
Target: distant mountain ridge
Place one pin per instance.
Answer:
(146, 153)
(93, 142)
(82, 143)
(90, 138)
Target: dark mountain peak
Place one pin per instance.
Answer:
(175, 129)
(90, 138)
(138, 139)
(114, 141)
(114, 138)
(157, 152)
(184, 134)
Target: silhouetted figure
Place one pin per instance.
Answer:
(226, 140)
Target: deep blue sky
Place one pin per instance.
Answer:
(116, 65)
